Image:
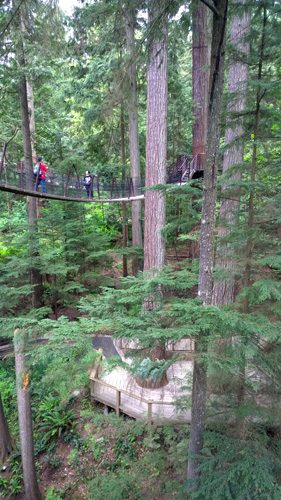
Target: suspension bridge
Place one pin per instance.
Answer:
(15, 179)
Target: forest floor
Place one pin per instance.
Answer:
(114, 458)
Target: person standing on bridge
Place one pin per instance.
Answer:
(88, 183)
(39, 171)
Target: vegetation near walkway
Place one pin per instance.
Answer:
(150, 90)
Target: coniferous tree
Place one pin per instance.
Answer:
(224, 290)
(6, 444)
(25, 417)
(156, 133)
(200, 76)
(130, 21)
(35, 276)
(206, 257)
(156, 150)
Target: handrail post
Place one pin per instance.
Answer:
(149, 412)
(118, 401)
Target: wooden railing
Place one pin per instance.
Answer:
(118, 403)
(170, 346)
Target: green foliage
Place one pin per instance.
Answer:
(116, 486)
(79, 87)
(54, 419)
(73, 458)
(52, 494)
(52, 460)
(11, 485)
(8, 393)
(234, 469)
(148, 369)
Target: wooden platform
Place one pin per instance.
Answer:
(119, 391)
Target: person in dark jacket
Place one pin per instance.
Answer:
(88, 183)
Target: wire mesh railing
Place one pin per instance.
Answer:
(69, 186)
(65, 186)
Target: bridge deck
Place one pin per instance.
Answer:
(38, 194)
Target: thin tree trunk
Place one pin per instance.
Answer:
(124, 205)
(6, 444)
(199, 387)
(132, 100)
(25, 418)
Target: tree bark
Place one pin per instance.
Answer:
(224, 289)
(156, 137)
(25, 418)
(241, 421)
(124, 205)
(35, 276)
(25, 25)
(6, 444)
(199, 387)
(156, 150)
(31, 113)
(132, 100)
(200, 76)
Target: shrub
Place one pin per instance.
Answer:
(52, 495)
(54, 419)
(115, 486)
(233, 469)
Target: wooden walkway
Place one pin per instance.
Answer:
(49, 196)
(119, 390)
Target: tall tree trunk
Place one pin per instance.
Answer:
(156, 137)
(200, 76)
(224, 290)
(124, 204)
(31, 113)
(6, 444)
(25, 418)
(199, 387)
(156, 150)
(241, 421)
(132, 100)
(25, 25)
(35, 276)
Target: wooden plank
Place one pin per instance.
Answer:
(132, 395)
(149, 412)
(118, 401)
(128, 410)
